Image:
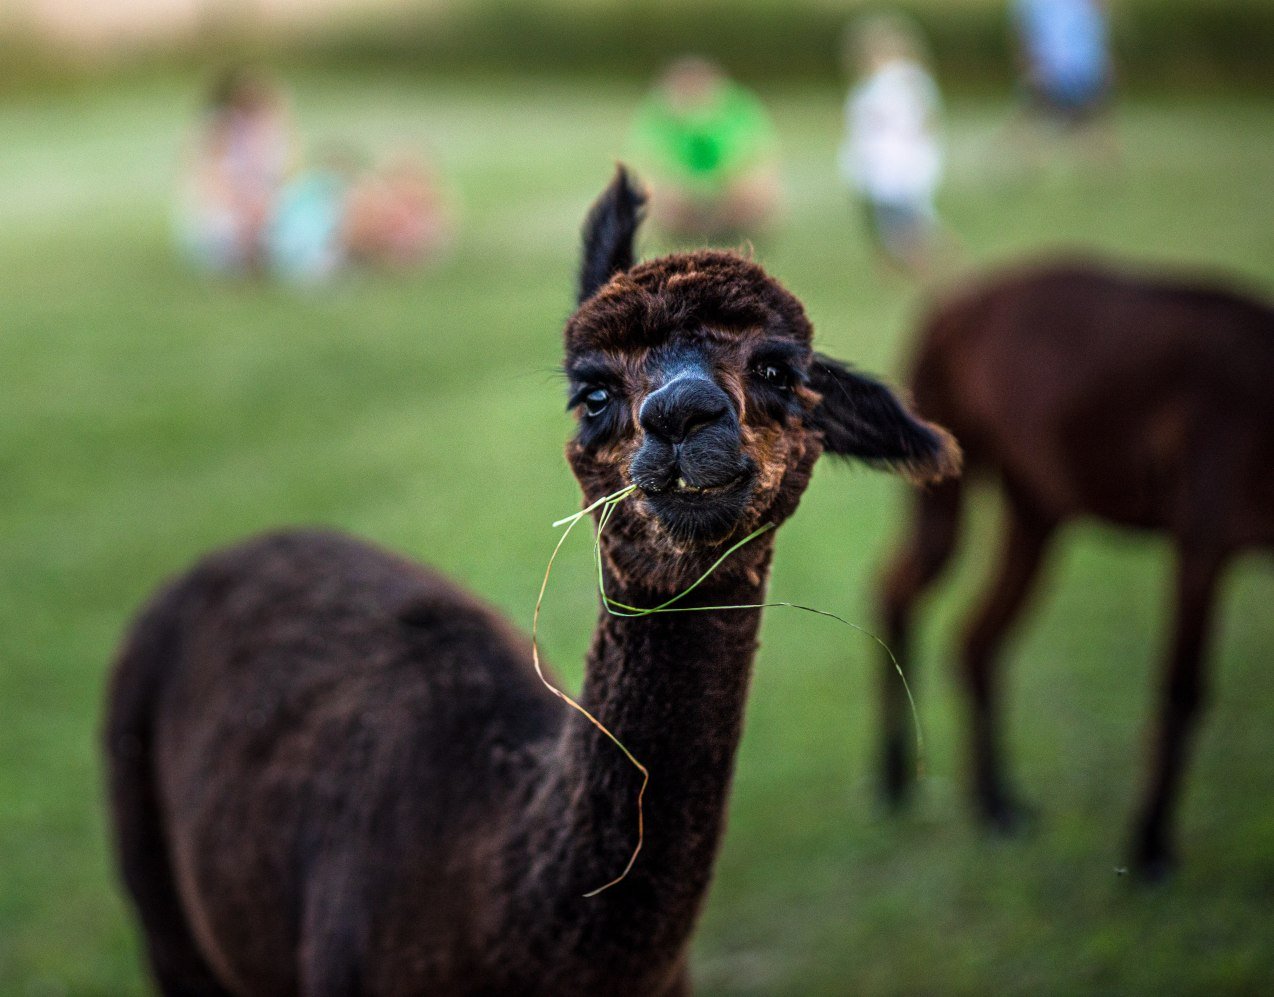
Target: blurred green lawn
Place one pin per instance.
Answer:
(147, 415)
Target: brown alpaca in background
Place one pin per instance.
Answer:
(333, 772)
(1144, 403)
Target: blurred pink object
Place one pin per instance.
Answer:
(396, 216)
(241, 155)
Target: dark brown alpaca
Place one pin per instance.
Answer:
(333, 772)
(1145, 403)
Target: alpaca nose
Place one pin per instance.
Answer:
(683, 407)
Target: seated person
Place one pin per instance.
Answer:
(709, 149)
(306, 237)
(396, 216)
(336, 215)
(241, 155)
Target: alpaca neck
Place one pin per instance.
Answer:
(671, 687)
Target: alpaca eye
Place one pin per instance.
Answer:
(595, 401)
(775, 375)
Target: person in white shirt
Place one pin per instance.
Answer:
(891, 156)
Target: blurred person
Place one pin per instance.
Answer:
(242, 152)
(338, 214)
(305, 239)
(891, 156)
(1066, 68)
(710, 150)
(397, 216)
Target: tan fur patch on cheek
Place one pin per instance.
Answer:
(614, 455)
(634, 410)
(769, 450)
(807, 396)
(732, 384)
(627, 450)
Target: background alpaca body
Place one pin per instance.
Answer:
(1145, 403)
(332, 772)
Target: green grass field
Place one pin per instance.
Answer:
(147, 415)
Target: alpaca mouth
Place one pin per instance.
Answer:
(700, 512)
(683, 487)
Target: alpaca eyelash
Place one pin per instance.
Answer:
(595, 399)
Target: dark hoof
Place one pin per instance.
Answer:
(1153, 864)
(894, 798)
(1158, 872)
(1009, 818)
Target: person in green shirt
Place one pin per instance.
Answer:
(710, 150)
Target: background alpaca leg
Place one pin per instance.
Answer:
(936, 521)
(1027, 539)
(1181, 698)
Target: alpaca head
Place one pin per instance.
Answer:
(693, 377)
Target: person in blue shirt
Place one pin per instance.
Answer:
(1065, 54)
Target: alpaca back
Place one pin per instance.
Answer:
(367, 713)
(1094, 390)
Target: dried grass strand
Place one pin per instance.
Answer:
(615, 608)
(570, 522)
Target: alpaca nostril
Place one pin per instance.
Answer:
(682, 408)
(699, 420)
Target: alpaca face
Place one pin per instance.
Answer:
(690, 377)
(693, 377)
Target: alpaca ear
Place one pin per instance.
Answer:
(861, 418)
(608, 233)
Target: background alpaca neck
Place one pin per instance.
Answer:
(672, 687)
